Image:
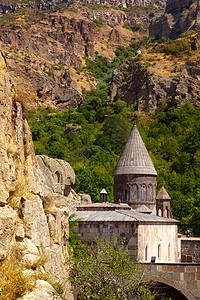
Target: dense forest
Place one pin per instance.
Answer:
(94, 140)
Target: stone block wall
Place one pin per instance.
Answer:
(190, 250)
(90, 231)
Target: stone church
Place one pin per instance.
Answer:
(135, 179)
(137, 215)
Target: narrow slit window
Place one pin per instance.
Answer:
(159, 251)
(146, 252)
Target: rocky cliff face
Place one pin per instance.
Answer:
(112, 17)
(179, 17)
(43, 55)
(33, 207)
(136, 84)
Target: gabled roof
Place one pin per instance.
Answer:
(163, 194)
(135, 158)
(121, 216)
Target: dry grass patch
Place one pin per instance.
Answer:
(13, 282)
(25, 97)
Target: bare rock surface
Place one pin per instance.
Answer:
(58, 174)
(34, 203)
(7, 224)
(43, 291)
(137, 85)
(179, 17)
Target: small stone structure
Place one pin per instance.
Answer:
(163, 204)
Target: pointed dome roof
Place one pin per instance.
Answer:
(163, 194)
(134, 158)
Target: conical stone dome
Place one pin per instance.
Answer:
(163, 194)
(135, 158)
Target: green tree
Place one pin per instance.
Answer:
(108, 273)
(73, 239)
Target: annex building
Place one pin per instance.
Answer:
(138, 215)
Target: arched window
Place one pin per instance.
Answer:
(144, 193)
(57, 177)
(134, 193)
(150, 196)
(126, 196)
(160, 212)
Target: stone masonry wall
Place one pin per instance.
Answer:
(150, 236)
(190, 250)
(89, 231)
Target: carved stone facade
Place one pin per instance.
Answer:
(136, 190)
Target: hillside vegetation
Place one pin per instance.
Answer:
(92, 137)
(173, 141)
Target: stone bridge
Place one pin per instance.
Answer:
(182, 277)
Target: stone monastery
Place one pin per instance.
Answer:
(138, 216)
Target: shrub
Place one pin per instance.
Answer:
(13, 282)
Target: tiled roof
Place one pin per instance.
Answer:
(163, 194)
(120, 216)
(103, 216)
(135, 158)
(104, 205)
(147, 218)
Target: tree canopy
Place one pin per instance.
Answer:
(106, 272)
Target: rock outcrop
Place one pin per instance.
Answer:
(34, 208)
(135, 84)
(179, 17)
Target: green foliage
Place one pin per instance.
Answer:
(98, 22)
(174, 141)
(73, 238)
(107, 272)
(176, 48)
